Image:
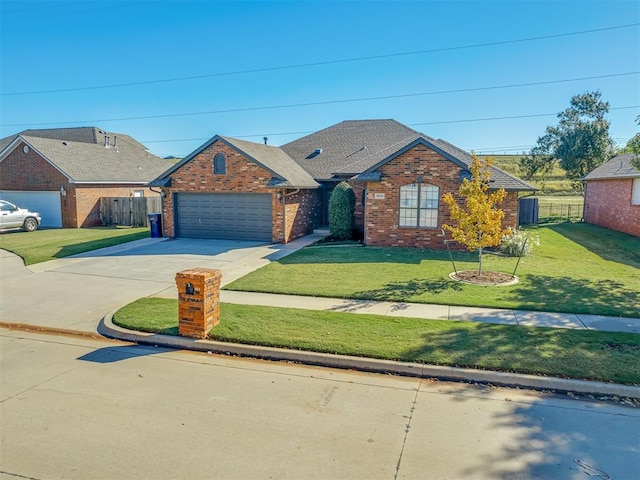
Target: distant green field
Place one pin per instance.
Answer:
(555, 184)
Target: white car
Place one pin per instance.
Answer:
(15, 217)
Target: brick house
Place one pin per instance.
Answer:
(230, 188)
(612, 195)
(63, 173)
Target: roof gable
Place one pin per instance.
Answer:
(19, 140)
(359, 147)
(286, 172)
(341, 151)
(84, 162)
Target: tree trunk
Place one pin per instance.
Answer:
(480, 262)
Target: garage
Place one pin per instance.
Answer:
(233, 216)
(47, 204)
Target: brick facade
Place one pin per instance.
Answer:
(80, 205)
(87, 200)
(243, 176)
(303, 213)
(382, 201)
(608, 204)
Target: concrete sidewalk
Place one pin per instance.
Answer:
(439, 312)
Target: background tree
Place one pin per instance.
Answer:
(633, 146)
(479, 222)
(341, 207)
(579, 142)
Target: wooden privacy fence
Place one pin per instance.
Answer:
(128, 211)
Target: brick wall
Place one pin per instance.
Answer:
(87, 201)
(382, 214)
(243, 176)
(608, 204)
(29, 172)
(304, 213)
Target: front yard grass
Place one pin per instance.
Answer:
(578, 268)
(43, 245)
(601, 356)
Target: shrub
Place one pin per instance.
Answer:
(512, 244)
(341, 206)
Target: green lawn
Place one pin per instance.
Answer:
(603, 356)
(43, 245)
(577, 268)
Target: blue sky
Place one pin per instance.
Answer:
(75, 46)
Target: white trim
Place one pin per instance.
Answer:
(635, 191)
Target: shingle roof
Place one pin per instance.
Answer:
(618, 167)
(347, 147)
(4, 142)
(360, 146)
(277, 161)
(350, 148)
(86, 162)
(286, 172)
(93, 135)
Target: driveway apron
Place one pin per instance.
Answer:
(77, 292)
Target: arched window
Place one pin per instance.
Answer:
(219, 164)
(419, 205)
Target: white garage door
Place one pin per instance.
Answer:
(47, 204)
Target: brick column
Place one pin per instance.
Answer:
(198, 301)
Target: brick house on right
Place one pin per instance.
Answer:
(612, 195)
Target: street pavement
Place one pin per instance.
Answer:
(81, 408)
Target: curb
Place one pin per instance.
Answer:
(583, 387)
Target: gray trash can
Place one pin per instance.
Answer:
(155, 225)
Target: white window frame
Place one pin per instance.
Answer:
(419, 205)
(635, 192)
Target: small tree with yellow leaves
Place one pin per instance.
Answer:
(479, 223)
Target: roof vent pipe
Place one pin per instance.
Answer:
(115, 141)
(265, 139)
(106, 141)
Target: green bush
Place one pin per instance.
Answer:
(341, 206)
(513, 244)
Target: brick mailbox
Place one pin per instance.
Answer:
(198, 301)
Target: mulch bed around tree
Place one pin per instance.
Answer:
(484, 278)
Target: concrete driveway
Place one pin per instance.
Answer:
(77, 292)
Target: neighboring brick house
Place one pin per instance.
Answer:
(229, 188)
(612, 195)
(63, 173)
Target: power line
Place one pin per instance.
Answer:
(442, 122)
(328, 102)
(322, 63)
